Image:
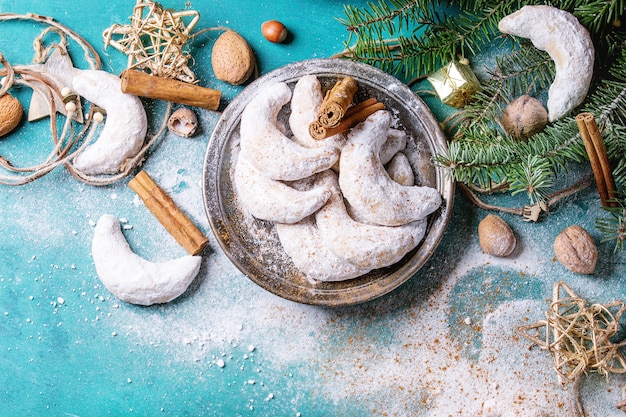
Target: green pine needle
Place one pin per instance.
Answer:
(413, 39)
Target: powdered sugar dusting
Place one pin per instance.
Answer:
(442, 344)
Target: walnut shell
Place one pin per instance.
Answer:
(495, 236)
(576, 250)
(11, 112)
(183, 122)
(524, 117)
(232, 58)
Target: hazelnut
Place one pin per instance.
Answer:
(11, 112)
(524, 117)
(576, 250)
(495, 236)
(232, 58)
(274, 31)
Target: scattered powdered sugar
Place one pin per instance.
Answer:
(402, 352)
(411, 352)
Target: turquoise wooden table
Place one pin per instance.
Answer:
(443, 344)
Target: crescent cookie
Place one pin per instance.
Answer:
(396, 142)
(365, 245)
(305, 103)
(400, 170)
(268, 149)
(132, 278)
(126, 124)
(125, 127)
(272, 200)
(568, 43)
(304, 245)
(366, 185)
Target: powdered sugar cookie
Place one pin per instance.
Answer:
(568, 43)
(368, 188)
(304, 245)
(268, 149)
(400, 170)
(365, 245)
(305, 103)
(272, 200)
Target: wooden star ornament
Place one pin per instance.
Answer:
(578, 335)
(154, 40)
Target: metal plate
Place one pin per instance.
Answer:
(253, 245)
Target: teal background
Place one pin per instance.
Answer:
(409, 353)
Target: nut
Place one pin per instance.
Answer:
(495, 236)
(576, 250)
(183, 122)
(524, 117)
(11, 112)
(274, 31)
(232, 58)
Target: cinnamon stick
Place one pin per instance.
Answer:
(354, 118)
(360, 106)
(605, 164)
(143, 84)
(598, 158)
(168, 214)
(337, 101)
(319, 132)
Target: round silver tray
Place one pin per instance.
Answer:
(253, 245)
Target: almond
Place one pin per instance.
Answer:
(11, 112)
(232, 58)
(576, 250)
(495, 236)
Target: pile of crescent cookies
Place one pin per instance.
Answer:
(342, 206)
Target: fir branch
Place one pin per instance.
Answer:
(614, 226)
(380, 23)
(559, 143)
(480, 156)
(525, 71)
(533, 175)
(435, 36)
(615, 141)
(597, 14)
(416, 38)
(471, 30)
(377, 17)
(475, 161)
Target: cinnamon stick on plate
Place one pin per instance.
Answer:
(168, 214)
(353, 116)
(359, 114)
(337, 101)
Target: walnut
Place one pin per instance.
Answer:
(524, 117)
(576, 250)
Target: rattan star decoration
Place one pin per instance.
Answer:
(155, 39)
(578, 335)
